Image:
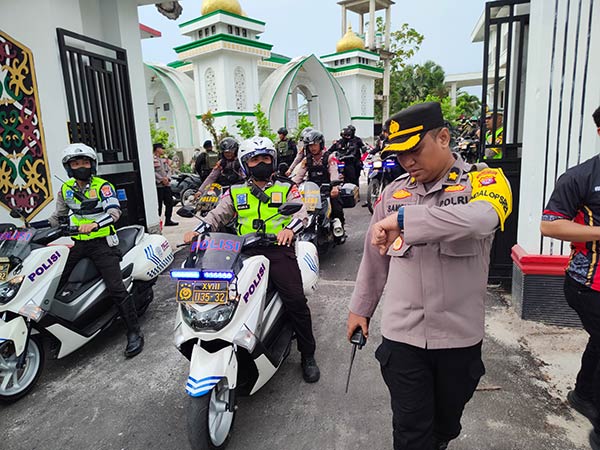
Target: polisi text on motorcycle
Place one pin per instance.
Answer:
(45, 266)
(255, 283)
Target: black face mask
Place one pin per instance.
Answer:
(82, 173)
(261, 172)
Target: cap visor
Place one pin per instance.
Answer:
(401, 147)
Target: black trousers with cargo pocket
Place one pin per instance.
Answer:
(429, 390)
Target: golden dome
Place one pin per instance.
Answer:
(232, 6)
(350, 41)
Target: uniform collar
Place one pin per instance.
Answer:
(452, 177)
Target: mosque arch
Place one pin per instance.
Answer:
(328, 109)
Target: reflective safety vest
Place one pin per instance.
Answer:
(249, 207)
(90, 216)
(499, 139)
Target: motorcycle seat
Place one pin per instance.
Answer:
(85, 270)
(128, 237)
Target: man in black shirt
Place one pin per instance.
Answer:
(573, 214)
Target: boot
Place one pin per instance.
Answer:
(440, 445)
(310, 370)
(582, 405)
(594, 440)
(135, 339)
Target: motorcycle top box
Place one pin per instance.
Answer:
(349, 195)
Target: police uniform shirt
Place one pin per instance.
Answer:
(576, 197)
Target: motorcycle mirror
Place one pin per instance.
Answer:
(282, 168)
(288, 209)
(186, 211)
(258, 224)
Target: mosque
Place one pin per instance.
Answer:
(227, 69)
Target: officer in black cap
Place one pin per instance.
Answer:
(427, 251)
(286, 148)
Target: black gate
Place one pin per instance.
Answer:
(504, 56)
(100, 108)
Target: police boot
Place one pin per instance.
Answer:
(310, 370)
(135, 339)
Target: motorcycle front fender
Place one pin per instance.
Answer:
(15, 331)
(207, 369)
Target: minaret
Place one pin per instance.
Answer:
(356, 69)
(225, 52)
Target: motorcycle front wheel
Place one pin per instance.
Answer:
(373, 192)
(14, 382)
(210, 420)
(187, 197)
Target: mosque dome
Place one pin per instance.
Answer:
(350, 41)
(232, 6)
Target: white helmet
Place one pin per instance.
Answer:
(78, 150)
(257, 145)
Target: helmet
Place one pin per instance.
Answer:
(304, 132)
(79, 150)
(346, 133)
(207, 144)
(314, 137)
(283, 131)
(257, 145)
(229, 144)
(351, 130)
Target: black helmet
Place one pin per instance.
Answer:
(347, 133)
(352, 129)
(283, 131)
(229, 144)
(314, 137)
(207, 144)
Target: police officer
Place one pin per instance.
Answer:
(320, 166)
(97, 239)
(286, 148)
(349, 149)
(162, 175)
(300, 153)
(428, 245)
(494, 121)
(227, 171)
(260, 196)
(205, 160)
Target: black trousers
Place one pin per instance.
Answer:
(285, 275)
(337, 209)
(429, 390)
(165, 196)
(586, 302)
(105, 258)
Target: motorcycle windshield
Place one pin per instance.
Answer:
(219, 251)
(311, 196)
(16, 243)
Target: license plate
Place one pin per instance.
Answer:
(4, 268)
(203, 292)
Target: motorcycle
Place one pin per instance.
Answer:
(231, 326)
(468, 149)
(207, 200)
(35, 313)
(321, 231)
(380, 174)
(347, 168)
(184, 186)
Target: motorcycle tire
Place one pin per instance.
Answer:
(208, 428)
(187, 197)
(373, 193)
(30, 374)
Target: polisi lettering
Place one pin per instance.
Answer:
(45, 266)
(255, 283)
(456, 200)
(222, 245)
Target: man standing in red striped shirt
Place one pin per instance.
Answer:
(573, 214)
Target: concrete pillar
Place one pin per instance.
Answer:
(362, 25)
(453, 90)
(372, 27)
(388, 24)
(385, 109)
(344, 20)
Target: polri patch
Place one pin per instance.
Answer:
(107, 191)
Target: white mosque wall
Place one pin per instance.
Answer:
(359, 91)
(562, 91)
(33, 23)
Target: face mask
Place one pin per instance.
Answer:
(261, 172)
(82, 173)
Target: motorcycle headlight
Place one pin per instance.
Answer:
(212, 319)
(377, 165)
(9, 289)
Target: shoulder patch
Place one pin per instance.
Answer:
(490, 185)
(107, 190)
(400, 194)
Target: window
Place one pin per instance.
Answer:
(200, 34)
(237, 31)
(211, 90)
(166, 107)
(213, 29)
(207, 31)
(239, 82)
(229, 29)
(244, 32)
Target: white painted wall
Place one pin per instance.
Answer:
(562, 91)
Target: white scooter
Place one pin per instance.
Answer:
(33, 313)
(231, 326)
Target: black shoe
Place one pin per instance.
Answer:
(310, 370)
(135, 344)
(582, 406)
(170, 223)
(594, 440)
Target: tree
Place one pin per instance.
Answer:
(245, 128)
(467, 104)
(159, 136)
(208, 120)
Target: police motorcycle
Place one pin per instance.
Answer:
(231, 325)
(321, 231)
(37, 317)
(208, 199)
(468, 149)
(184, 186)
(380, 174)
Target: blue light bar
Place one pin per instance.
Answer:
(390, 164)
(217, 275)
(186, 274)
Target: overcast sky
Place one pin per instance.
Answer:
(302, 27)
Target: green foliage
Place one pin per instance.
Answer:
(186, 168)
(467, 104)
(245, 127)
(303, 122)
(160, 137)
(264, 126)
(223, 133)
(448, 111)
(404, 43)
(208, 120)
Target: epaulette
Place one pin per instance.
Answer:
(404, 175)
